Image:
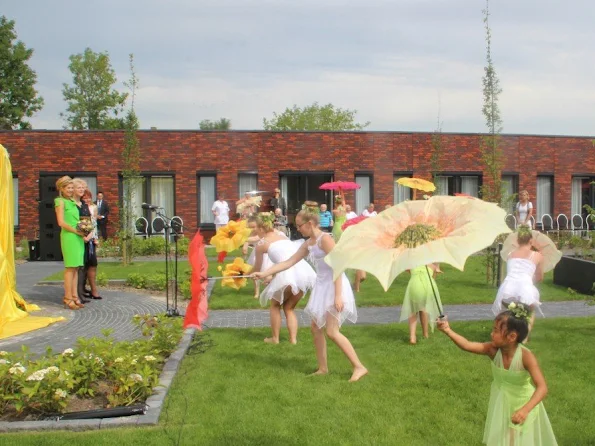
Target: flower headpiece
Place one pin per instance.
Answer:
(311, 207)
(519, 311)
(267, 219)
(524, 231)
(338, 198)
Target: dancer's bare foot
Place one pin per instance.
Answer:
(271, 341)
(319, 372)
(293, 341)
(358, 373)
(412, 341)
(427, 336)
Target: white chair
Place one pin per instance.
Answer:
(547, 223)
(590, 222)
(576, 223)
(141, 227)
(562, 222)
(533, 222)
(510, 221)
(158, 227)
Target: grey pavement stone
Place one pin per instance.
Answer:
(119, 421)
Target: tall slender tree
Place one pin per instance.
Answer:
(491, 151)
(221, 124)
(130, 171)
(93, 103)
(437, 151)
(18, 98)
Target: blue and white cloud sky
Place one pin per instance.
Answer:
(395, 61)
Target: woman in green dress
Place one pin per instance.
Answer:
(339, 217)
(72, 241)
(420, 300)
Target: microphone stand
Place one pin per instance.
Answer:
(175, 227)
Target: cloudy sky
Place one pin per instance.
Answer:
(397, 62)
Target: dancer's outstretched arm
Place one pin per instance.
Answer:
(300, 254)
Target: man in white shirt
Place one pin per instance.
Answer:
(370, 212)
(221, 212)
(349, 213)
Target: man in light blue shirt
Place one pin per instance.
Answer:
(326, 219)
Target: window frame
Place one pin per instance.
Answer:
(552, 212)
(455, 178)
(396, 176)
(370, 175)
(199, 175)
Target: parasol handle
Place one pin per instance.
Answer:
(434, 292)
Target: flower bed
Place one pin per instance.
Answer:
(96, 373)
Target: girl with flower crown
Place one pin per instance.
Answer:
(523, 269)
(516, 415)
(332, 301)
(287, 287)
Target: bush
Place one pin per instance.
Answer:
(101, 279)
(156, 282)
(136, 280)
(109, 248)
(128, 370)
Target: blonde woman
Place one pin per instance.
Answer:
(524, 209)
(72, 241)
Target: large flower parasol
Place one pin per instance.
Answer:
(417, 183)
(541, 242)
(414, 233)
(235, 274)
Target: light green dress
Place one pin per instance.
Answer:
(339, 220)
(73, 246)
(420, 297)
(511, 390)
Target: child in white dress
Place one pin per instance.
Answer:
(331, 302)
(287, 287)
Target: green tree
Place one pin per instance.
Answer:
(130, 171)
(314, 117)
(18, 97)
(93, 103)
(491, 152)
(221, 124)
(437, 152)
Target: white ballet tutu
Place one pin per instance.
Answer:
(322, 302)
(517, 286)
(300, 277)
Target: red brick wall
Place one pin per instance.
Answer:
(230, 153)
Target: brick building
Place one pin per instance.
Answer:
(183, 170)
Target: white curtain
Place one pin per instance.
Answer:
(284, 188)
(162, 194)
(137, 197)
(362, 195)
(400, 193)
(508, 191)
(441, 185)
(470, 186)
(92, 186)
(15, 188)
(246, 183)
(206, 198)
(577, 195)
(544, 197)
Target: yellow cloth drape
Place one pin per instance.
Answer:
(14, 316)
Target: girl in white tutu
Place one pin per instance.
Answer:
(331, 302)
(523, 268)
(287, 287)
(250, 245)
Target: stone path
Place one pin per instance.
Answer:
(117, 308)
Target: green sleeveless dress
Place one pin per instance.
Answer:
(420, 297)
(338, 222)
(511, 389)
(73, 246)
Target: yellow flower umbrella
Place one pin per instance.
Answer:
(541, 242)
(231, 236)
(235, 274)
(417, 184)
(443, 229)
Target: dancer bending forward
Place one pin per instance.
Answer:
(516, 415)
(331, 302)
(287, 287)
(523, 268)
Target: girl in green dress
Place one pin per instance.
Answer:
(339, 217)
(420, 300)
(516, 415)
(72, 241)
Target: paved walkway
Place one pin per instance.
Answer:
(117, 308)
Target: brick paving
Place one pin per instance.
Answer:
(117, 308)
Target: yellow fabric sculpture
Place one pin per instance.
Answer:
(14, 310)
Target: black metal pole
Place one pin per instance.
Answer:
(434, 291)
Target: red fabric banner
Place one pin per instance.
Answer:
(197, 310)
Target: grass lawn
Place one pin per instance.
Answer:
(240, 391)
(456, 287)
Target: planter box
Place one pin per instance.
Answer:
(576, 273)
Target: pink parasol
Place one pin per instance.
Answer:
(340, 185)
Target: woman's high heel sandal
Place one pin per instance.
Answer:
(71, 304)
(78, 303)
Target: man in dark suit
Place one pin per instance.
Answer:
(102, 213)
(278, 202)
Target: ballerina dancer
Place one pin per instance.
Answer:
(287, 287)
(523, 268)
(331, 302)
